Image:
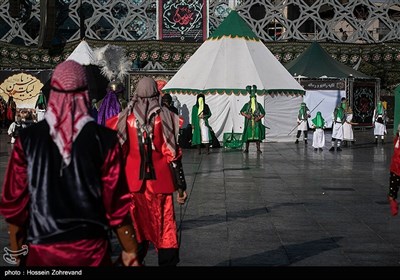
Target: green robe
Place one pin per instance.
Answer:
(196, 137)
(253, 131)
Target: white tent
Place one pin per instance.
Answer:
(229, 60)
(83, 54)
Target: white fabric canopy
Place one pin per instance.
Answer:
(327, 100)
(231, 59)
(221, 69)
(83, 54)
(280, 114)
(230, 64)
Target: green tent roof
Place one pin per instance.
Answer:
(234, 26)
(315, 62)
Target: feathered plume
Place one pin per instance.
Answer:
(113, 62)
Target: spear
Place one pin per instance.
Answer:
(310, 113)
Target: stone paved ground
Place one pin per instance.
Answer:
(289, 206)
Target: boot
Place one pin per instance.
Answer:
(258, 147)
(208, 149)
(246, 150)
(338, 149)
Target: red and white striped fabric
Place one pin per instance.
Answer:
(68, 106)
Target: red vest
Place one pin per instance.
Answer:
(161, 157)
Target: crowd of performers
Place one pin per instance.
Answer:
(342, 126)
(70, 180)
(80, 173)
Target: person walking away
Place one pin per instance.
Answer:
(62, 189)
(148, 133)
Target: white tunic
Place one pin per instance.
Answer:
(348, 134)
(11, 129)
(204, 131)
(303, 125)
(379, 128)
(318, 138)
(40, 114)
(337, 130)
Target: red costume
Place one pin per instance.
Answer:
(395, 163)
(394, 181)
(62, 185)
(148, 154)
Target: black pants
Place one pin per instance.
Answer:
(166, 257)
(394, 185)
(299, 132)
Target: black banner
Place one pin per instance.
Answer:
(183, 21)
(323, 84)
(363, 102)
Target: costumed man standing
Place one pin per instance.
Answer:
(379, 118)
(11, 110)
(40, 106)
(302, 120)
(394, 180)
(254, 130)
(15, 128)
(114, 65)
(201, 128)
(3, 113)
(338, 119)
(318, 123)
(348, 134)
(148, 134)
(167, 102)
(176, 103)
(110, 105)
(62, 189)
(94, 112)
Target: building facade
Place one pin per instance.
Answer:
(167, 32)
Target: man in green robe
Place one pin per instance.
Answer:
(201, 128)
(254, 130)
